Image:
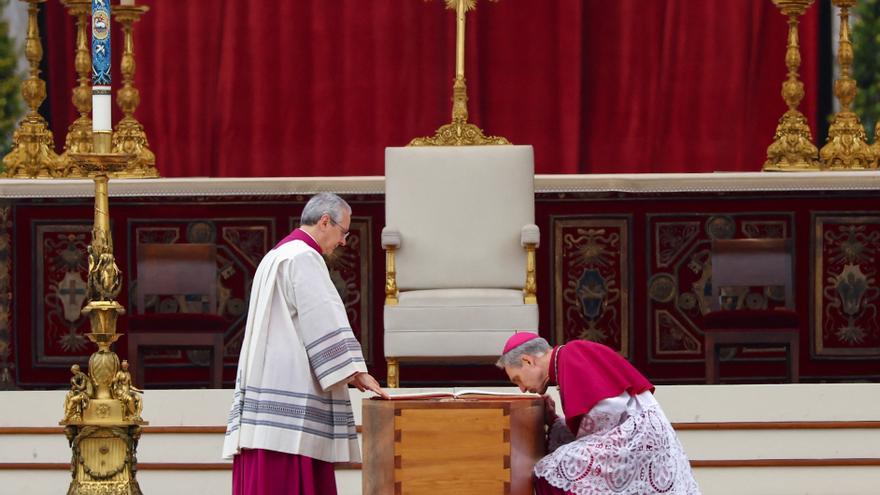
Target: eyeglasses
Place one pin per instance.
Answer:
(344, 231)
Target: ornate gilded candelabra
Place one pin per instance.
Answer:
(459, 132)
(792, 148)
(79, 134)
(102, 410)
(846, 148)
(129, 136)
(33, 148)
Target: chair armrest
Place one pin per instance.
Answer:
(390, 243)
(530, 235)
(390, 238)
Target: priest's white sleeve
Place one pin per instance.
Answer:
(333, 351)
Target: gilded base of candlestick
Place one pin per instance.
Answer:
(103, 424)
(79, 140)
(847, 147)
(130, 138)
(459, 134)
(104, 460)
(32, 154)
(792, 148)
(102, 415)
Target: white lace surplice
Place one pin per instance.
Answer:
(624, 445)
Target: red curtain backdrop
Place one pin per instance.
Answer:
(321, 87)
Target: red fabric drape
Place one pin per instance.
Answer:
(320, 87)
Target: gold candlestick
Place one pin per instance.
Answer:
(847, 147)
(79, 134)
(33, 148)
(459, 132)
(102, 409)
(129, 136)
(792, 148)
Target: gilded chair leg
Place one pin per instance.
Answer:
(393, 373)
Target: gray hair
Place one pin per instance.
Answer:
(324, 204)
(535, 347)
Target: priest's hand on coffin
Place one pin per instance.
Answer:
(363, 382)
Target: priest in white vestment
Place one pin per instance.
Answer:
(291, 417)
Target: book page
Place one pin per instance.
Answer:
(416, 395)
(476, 393)
(458, 394)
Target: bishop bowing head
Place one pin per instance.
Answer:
(526, 360)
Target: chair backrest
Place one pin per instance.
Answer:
(752, 262)
(460, 211)
(177, 269)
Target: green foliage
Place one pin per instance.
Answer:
(866, 64)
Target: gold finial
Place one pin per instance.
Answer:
(847, 147)
(129, 136)
(459, 132)
(33, 148)
(792, 147)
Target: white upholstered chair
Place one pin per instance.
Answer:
(460, 239)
